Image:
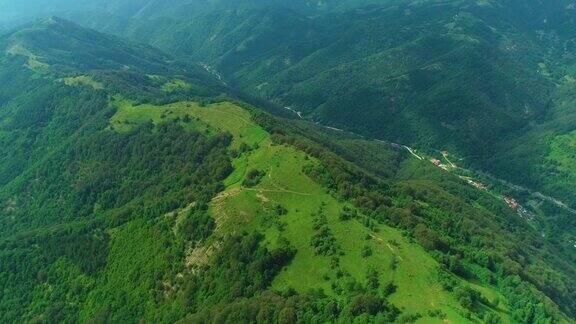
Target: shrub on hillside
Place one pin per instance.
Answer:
(253, 178)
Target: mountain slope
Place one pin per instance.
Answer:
(69, 48)
(473, 78)
(132, 196)
(490, 82)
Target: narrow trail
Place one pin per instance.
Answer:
(280, 190)
(213, 72)
(413, 153)
(235, 191)
(536, 194)
(445, 155)
(388, 245)
(298, 113)
(227, 193)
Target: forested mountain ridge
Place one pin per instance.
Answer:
(17, 11)
(59, 46)
(135, 189)
(490, 81)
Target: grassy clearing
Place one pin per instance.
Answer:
(176, 85)
(34, 61)
(563, 153)
(129, 116)
(83, 80)
(218, 117)
(170, 85)
(562, 162)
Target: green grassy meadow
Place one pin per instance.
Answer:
(239, 208)
(84, 80)
(562, 156)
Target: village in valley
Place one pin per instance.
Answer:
(450, 167)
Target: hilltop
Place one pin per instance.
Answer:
(70, 48)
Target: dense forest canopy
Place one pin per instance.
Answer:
(428, 175)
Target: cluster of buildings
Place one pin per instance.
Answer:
(439, 164)
(511, 202)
